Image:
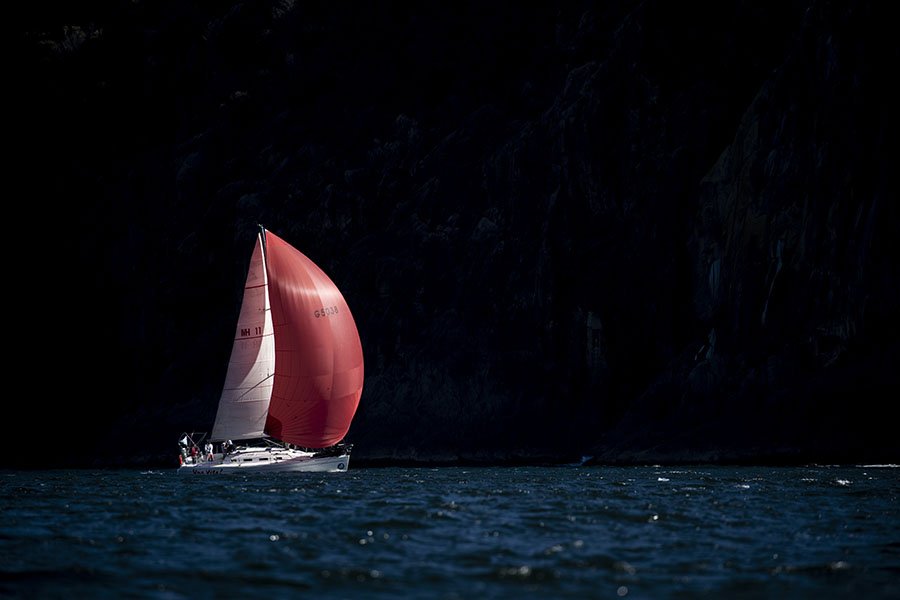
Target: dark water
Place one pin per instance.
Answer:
(564, 532)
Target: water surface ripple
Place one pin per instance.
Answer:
(524, 532)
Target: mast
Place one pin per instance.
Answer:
(262, 240)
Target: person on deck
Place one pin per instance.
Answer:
(209, 451)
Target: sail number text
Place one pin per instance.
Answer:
(245, 331)
(326, 311)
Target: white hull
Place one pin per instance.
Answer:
(268, 460)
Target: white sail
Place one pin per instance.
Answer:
(248, 384)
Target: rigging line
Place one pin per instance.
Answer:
(249, 389)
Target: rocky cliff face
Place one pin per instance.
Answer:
(634, 229)
(791, 244)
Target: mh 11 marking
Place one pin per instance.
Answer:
(245, 331)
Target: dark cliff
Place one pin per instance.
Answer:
(629, 229)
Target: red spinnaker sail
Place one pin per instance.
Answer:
(318, 356)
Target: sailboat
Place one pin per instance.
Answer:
(295, 375)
